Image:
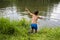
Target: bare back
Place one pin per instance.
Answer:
(34, 18)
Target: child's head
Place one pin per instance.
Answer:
(36, 12)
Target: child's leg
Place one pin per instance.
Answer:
(32, 30)
(35, 30)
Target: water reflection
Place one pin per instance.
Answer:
(56, 12)
(11, 12)
(53, 15)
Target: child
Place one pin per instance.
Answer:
(35, 17)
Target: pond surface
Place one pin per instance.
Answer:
(15, 11)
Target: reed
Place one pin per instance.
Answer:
(18, 30)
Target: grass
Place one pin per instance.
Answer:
(18, 30)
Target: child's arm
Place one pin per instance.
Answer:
(40, 17)
(28, 11)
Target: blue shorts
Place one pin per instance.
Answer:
(34, 26)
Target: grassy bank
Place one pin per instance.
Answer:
(18, 30)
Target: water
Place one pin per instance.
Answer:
(11, 12)
(54, 17)
(15, 12)
(56, 12)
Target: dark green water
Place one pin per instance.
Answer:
(41, 5)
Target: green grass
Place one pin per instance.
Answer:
(18, 30)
